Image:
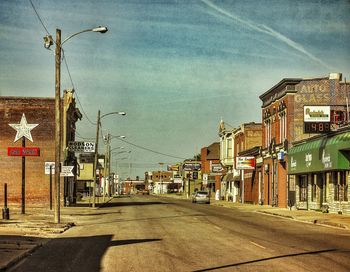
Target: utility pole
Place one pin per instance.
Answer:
(95, 161)
(58, 125)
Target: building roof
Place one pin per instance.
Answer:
(213, 151)
(280, 85)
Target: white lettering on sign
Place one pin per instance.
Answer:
(293, 162)
(47, 168)
(67, 171)
(86, 147)
(326, 159)
(308, 159)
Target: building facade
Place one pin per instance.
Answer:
(247, 141)
(39, 111)
(283, 123)
(211, 167)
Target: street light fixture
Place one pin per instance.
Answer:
(58, 136)
(99, 117)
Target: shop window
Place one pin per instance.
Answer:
(303, 188)
(343, 186)
(336, 185)
(340, 186)
(313, 190)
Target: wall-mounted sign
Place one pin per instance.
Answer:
(173, 168)
(317, 113)
(88, 147)
(191, 166)
(23, 129)
(23, 151)
(67, 171)
(245, 163)
(47, 168)
(216, 167)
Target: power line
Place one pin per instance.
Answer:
(150, 150)
(76, 93)
(37, 14)
(66, 64)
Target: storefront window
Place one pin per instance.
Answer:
(303, 188)
(340, 182)
(335, 181)
(343, 186)
(313, 190)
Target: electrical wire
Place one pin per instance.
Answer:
(76, 93)
(41, 21)
(150, 150)
(66, 64)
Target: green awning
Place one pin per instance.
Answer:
(323, 154)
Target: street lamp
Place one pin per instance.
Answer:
(58, 51)
(99, 117)
(108, 137)
(116, 165)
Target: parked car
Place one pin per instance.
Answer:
(201, 197)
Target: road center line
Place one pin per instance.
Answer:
(255, 244)
(217, 227)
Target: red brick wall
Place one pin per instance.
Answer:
(37, 111)
(282, 185)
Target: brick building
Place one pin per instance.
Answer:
(247, 142)
(39, 111)
(283, 124)
(211, 166)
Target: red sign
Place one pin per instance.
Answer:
(23, 151)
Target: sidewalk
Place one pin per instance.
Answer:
(310, 216)
(24, 233)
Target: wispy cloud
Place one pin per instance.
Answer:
(266, 30)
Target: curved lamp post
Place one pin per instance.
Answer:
(119, 187)
(58, 134)
(99, 117)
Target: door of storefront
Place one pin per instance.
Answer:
(320, 185)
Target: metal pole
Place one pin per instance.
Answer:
(50, 187)
(5, 195)
(23, 178)
(96, 160)
(58, 125)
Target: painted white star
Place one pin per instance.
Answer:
(23, 129)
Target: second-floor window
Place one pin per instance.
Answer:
(229, 148)
(283, 126)
(267, 133)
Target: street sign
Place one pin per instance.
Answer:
(23, 151)
(67, 171)
(88, 147)
(47, 168)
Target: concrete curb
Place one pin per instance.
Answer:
(20, 257)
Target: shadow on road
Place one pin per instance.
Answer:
(140, 219)
(74, 254)
(133, 203)
(267, 259)
(132, 241)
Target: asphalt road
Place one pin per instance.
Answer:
(148, 233)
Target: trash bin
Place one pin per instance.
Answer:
(6, 213)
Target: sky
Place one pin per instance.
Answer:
(175, 67)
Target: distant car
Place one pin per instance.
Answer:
(201, 197)
(145, 192)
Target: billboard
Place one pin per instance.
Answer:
(245, 163)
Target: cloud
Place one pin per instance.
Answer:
(268, 31)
